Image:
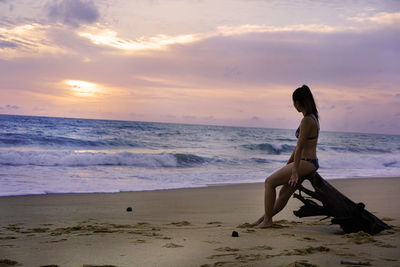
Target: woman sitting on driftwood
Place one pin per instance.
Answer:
(302, 162)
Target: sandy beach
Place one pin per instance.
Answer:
(191, 227)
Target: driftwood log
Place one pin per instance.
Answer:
(350, 216)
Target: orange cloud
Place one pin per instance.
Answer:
(28, 40)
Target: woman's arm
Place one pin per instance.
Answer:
(291, 157)
(305, 129)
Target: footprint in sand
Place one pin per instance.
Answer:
(245, 225)
(305, 251)
(216, 256)
(216, 222)
(229, 249)
(55, 241)
(307, 239)
(172, 245)
(345, 254)
(244, 258)
(212, 242)
(365, 238)
(220, 264)
(303, 263)
(182, 223)
(8, 237)
(288, 234)
(7, 262)
(360, 238)
(263, 247)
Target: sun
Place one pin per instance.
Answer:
(83, 88)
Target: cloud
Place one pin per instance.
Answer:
(73, 12)
(100, 35)
(29, 40)
(107, 37)
(9, 107)
(342, 60)
(379, 18)
(350, 56)
(12, 107)
(253, 59)
(7, 44)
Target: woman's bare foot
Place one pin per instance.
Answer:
(265, 224)
(258, 221)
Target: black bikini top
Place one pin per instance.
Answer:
(308, 138)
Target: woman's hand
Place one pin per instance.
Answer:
(293, 179)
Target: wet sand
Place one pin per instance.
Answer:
(191, 227)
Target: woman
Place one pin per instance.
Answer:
(302, 162)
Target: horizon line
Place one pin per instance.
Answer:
(193, 124)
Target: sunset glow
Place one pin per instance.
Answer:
(83, 89)
(201, 62)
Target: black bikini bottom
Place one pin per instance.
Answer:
(313, 161)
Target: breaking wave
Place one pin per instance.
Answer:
(270, 148)
(72, 158)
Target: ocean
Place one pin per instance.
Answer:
(42, 155)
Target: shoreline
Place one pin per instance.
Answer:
(194, 187)
(191, 227)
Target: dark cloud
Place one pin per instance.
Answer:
(73, 12)
(7, 44)
(12, 107)
(9, 107)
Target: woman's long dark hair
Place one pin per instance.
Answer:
(304, 96)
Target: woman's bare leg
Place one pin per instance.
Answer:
(281, 177)
(284, 195)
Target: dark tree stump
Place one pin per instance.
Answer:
(350, 216)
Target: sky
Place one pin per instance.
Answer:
(222, 62)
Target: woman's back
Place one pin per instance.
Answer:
(310, 145)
